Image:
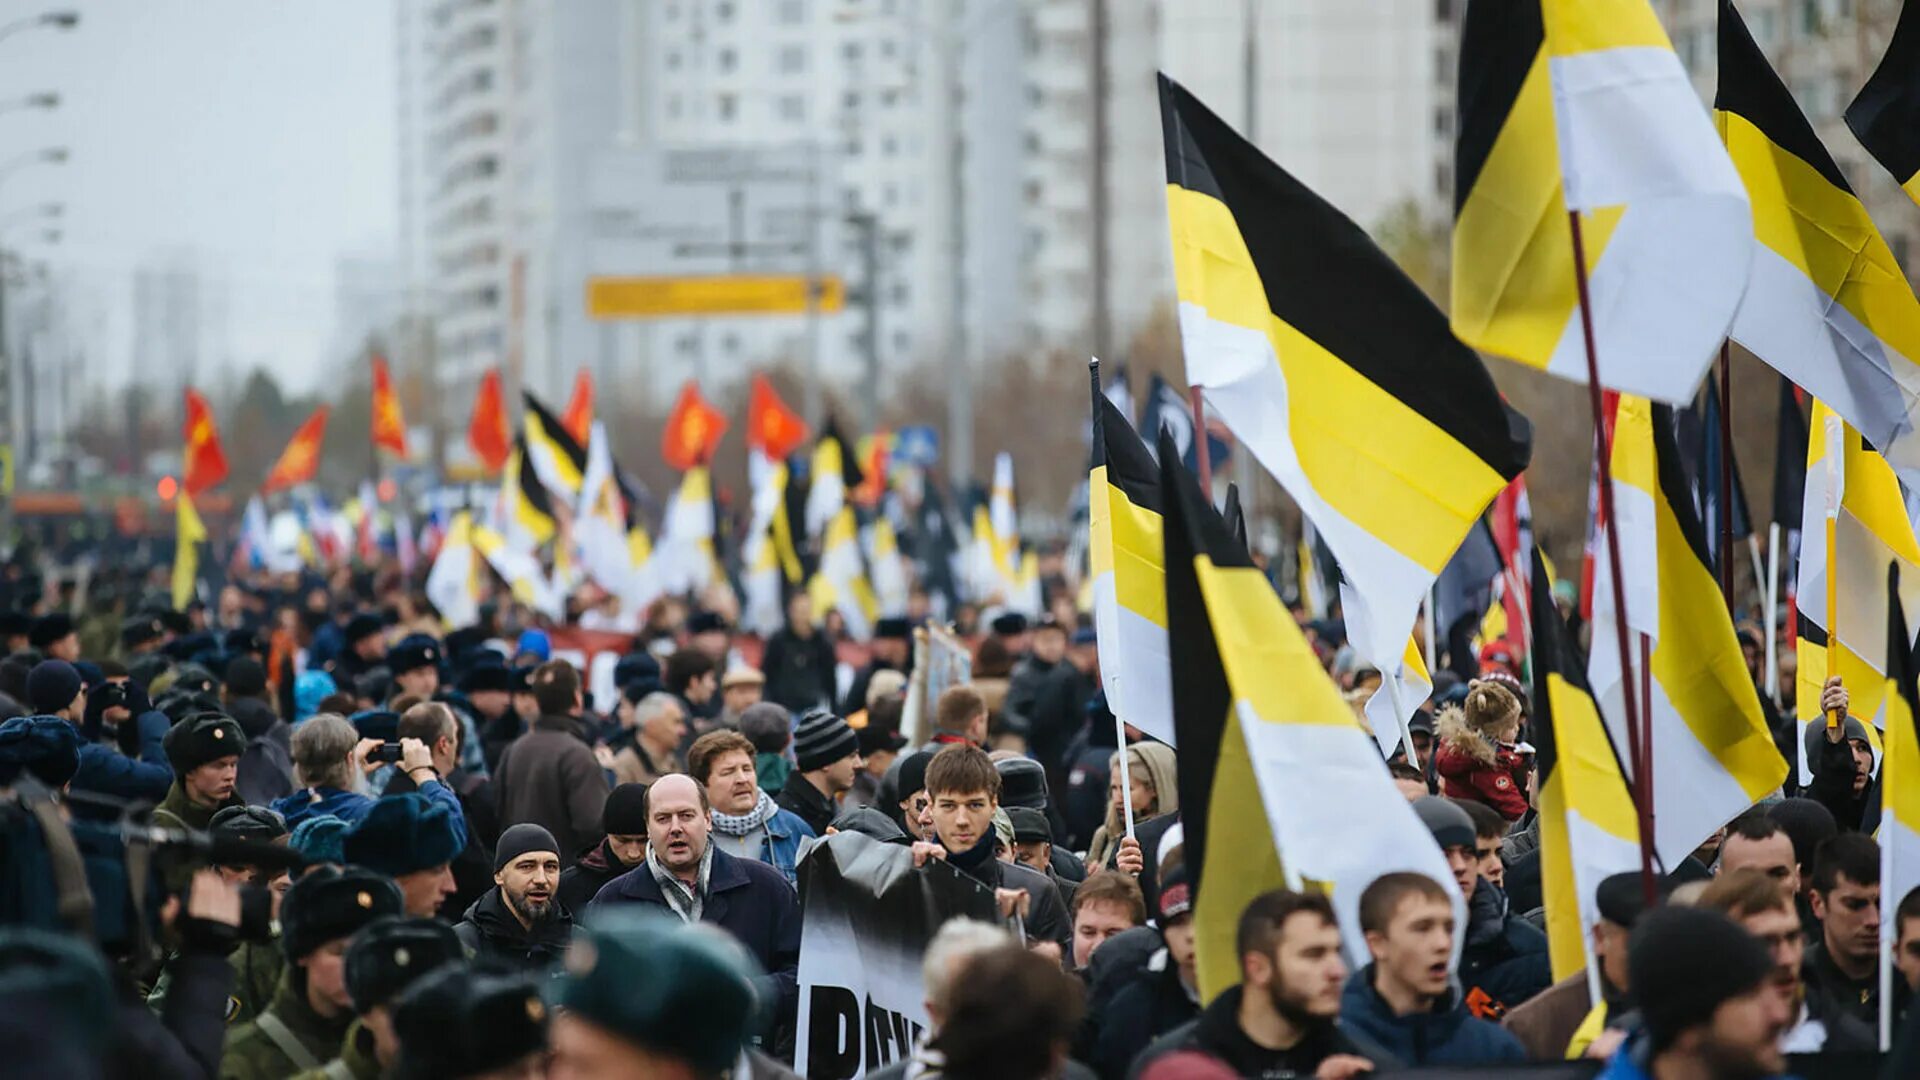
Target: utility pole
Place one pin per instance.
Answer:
(1097, 208)
(868, 226)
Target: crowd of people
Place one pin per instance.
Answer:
(304, 832)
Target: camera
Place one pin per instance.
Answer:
(110, 696)
(387, 752)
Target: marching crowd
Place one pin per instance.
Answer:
(376, 850)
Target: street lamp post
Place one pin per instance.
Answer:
(44, 100)
(53, 20)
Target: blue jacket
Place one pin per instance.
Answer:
(351, 806)
(1631, 1062)
(1446, 1036)
(104, 770)
(749, 900)
(1505, 956)
(781, 847)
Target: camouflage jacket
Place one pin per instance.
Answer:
(254, 1054)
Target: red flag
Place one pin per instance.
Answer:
(301, 459)
(487, 432)
(578, 419)
(693, 431)
(204, 462)
(772, 428)
(389, 426)
(1513, 535)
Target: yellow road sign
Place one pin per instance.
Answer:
(729, 294)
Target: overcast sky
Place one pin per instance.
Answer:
(257, 136)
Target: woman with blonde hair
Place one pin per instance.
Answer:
(1155, 780)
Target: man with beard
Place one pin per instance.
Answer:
(1281, 1019)
(518, 923)
(1708, 1006)
(747, 823)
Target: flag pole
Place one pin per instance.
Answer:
(1433, 650)
(1724, 510)
(1772, 619)
(1836, 474)
(1202, 455)
(1643, 789)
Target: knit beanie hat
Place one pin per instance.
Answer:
(625, 811)
(1490, 705)
(519, 840)
(822, 739)
(1684, 963)
(913, 774)
(1450, 825)
(52, 685)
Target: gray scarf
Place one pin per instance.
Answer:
(686, 904)
(750, 822)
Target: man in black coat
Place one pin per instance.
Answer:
(519, 923)
(1050, 694)
(965, 790)
(799, 660)
(891, 650)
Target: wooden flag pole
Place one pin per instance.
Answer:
(1636, 738)
(1725, 505)
(1201, 454)
(1836, 476)
(1772, 619)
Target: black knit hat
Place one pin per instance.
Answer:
(1450, 825)
(1684, 963)
(1022, 783)
(625, 811)
(382, 724)
(48, 629)
(403, 834)
(893, 628)
(1621, 900)
(392, 952)
(52, 685)
(913, 774)
(458, 1021)
(822, 739)
(200, 738)
(325, 904)
(522, 839)
(1009, 624)
(484, 677)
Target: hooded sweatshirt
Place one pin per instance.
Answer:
(1156, 760)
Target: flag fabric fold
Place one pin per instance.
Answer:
(1589, 828)
(1714, 755)
(1334, 369)
(1583, 105)
(693, 430)
(488, 432)
(558, 459)
(1899, 833)
(453, 584)
(389, 426)
(300, 461)
(773, 428)
(204, 461)
(188, 534)
(578, 419)
(1885, 115)
(523, 513)
(600, 526)
(1283, 784)
(1126, 552)
(1827, 304)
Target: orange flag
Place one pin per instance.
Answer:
(389, 426)
(578, 419)
(693, 431)
(873, 452)
(772, 428)
(204, 462)
(487, 432)
(301, 459)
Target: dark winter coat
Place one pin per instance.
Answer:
(1445, 1036)
(1148, 1004)
(1505, 957)
(1216, 1033)
(748, 899)
(582, 881)
(106, 770)
(805, 802)
(492, 935)
(1051, 699)
(549, 776)
(186, 1038)
(799, 670)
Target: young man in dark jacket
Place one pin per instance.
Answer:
(1282, 1019)
(965, 791)
(624, 819)
(1504, 962)
(799, 660)
(519, 923)
(1406, 1001)
(549, 776)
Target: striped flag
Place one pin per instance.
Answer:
(1714, 754)
(1827, 304)
(1281, 783)
(1665, 224)
(1334, 369)
(1126, 549)
(1588, 826)
(1899, 833)
(1885, 116)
